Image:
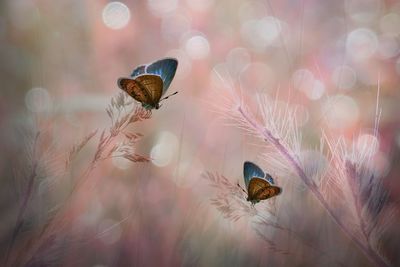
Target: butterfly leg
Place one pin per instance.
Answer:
(242, 189)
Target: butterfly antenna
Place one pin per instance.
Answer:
(241, 188)
(168, 96)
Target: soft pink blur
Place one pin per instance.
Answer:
(61, 61)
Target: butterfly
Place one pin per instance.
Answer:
(148, 83)
(259, 185)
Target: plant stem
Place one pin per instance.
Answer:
(371, 254)
(27, 195)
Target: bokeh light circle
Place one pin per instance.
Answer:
(161, 8)
(302, 115)
(249, 10)
(317, 90)
(174, 26)
(363, 10)
(257, 76)
(165, 149)
(344, 77)
(38, 100)
(381, 164)
(94, 213)
(388, 46)
(261, 33)
(197, 47)
(341, 112)
(116, 15)
(269, 28)
(303, 79)
(389, 24)
(237, 60)
(361, 43)
(221, 77)
(200, 5)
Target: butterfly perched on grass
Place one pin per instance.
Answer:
(259, 185)
(148, 83)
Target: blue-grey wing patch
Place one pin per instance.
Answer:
(165, 68)
(269, 178)
(138, 71)
(251, 170)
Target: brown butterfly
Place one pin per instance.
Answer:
(260, 189)
(148, 83)
(259, 185)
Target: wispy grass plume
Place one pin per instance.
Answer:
(230, 201)
(345, 184)
(123, 112)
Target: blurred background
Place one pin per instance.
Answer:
(60, 61)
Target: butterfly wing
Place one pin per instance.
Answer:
(260, 189)
(153, 85)
(269, 178)
(268, 192)
(139, 70)
(145, 88)
(251, 170)
(133, 88)
(165, 68)
(256, 185)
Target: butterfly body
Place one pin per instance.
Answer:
(150, 107)
(259, 185)
(148, 83)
